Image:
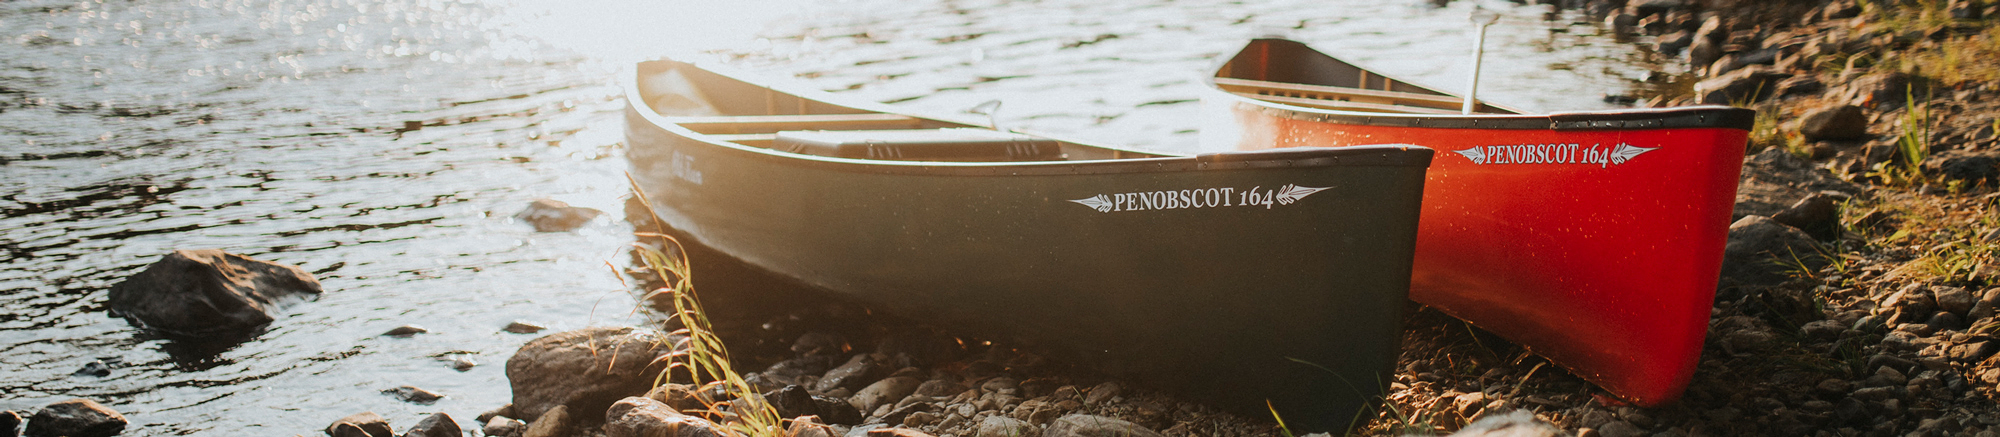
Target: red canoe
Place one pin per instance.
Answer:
(1592, 238)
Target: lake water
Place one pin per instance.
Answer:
(384, 145)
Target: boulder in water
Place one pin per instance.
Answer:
(10, 424)
(76, 418)
(208, 293)
(366, 424)
(555, 216)
(436, 425)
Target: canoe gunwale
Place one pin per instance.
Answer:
(1703, 116)
(1373, 155)
(1693, 117)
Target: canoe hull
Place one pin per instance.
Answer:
(1154, 269)
(1593, 239)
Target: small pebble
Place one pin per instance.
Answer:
(414, 394)
(524, 327)
(95, 368)
(405, 331)
(462, 363)
(504, 427)
(1101, 393)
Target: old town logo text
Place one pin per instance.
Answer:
(1554, 154)
(1197, 198)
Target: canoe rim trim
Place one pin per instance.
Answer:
(1392, 155)
(1667, 118)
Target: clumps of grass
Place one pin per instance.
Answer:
(1955, 261)
(1939, 239)
(1963, 50)
(1914, 139)
(1913, 144)
(701, 353)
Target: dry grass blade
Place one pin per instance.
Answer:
(703, 354)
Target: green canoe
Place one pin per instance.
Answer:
(1234, 278)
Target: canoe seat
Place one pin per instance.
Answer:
(953, 145)
(765, 124)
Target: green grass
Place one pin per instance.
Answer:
(1915, 135)
(702, 353)
(1913, 144)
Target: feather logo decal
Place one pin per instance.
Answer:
(1473, 154)
(1573, 153)
(1292, 193)
(1625, 152)
(1097, 202)
(1198, 198)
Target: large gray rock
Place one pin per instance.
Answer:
(1986, 306)
(502, 426)
(1953, 300)
(76, 418)
(208, 293)
(555, 216)
(1818, 215)
(884, 392)
(556, 422)
(1003, 426)
(643, 417)
(366, 424)
(1756, 241)
(1913, 303)
(858, 372)
(1085, 425)
(1750, 84)
(1884, 91)
(586, 369)
(1971, 166)
(436, 425)
(1837, 122)
(1774, 180)
(10, 424)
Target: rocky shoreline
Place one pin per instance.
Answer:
(1858, 295)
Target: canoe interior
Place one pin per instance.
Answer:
(725, 109)
(1291, 72)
